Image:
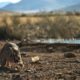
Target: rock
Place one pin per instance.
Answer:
(70, 77)
(17, 77)
(23, 54)
(69, 55)
(59, 76)
(35, 59)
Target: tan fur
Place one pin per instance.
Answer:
(9, 54)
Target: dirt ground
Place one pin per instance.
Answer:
(53, 65)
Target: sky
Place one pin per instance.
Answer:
(50, 4)
(13, 1)
(6, 2)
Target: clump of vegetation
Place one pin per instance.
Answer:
(56, 26)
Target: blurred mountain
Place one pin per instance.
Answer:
(72, 8)
(28, 5)
(25, 5)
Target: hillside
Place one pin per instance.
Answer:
(72, 8)
(24, 5)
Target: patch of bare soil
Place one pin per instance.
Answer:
(52, 65)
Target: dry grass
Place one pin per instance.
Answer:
(57, 26)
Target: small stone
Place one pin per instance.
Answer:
(69, 55)
(16, 68)
(17, 77)
(35, 59)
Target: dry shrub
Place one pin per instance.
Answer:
(40, 27)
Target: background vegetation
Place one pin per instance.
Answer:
(40, 26)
